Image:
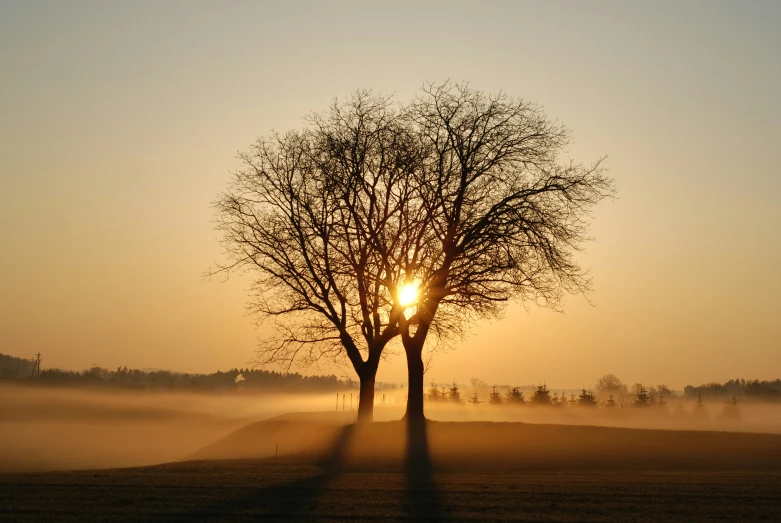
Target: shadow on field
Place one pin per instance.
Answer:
(423, 497)
(292, 500)
(297, 498)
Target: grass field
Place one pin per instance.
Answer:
(244, 490)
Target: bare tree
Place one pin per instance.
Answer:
(642, 399)
(501, 216)
(459, 194)
(309, 215)
(477, 383)
(609, 385)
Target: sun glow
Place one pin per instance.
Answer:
(408, 294)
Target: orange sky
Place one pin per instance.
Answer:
(121, 122)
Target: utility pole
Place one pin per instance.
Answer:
(36, 366)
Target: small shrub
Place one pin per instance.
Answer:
(587, 398)
(731, 409)
(455, 394)
(515, 396)
(495, 398)
(642, 399)
(541, 396)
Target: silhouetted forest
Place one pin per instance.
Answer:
(122, 377)
(13, 367)
(610, 391)
(750, 389)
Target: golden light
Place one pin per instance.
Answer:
(408, 294)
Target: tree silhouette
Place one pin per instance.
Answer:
(454, 394)
(699, 411)
(474, 400)
(608, 385)
(304, 216)
(541, 396)
(731, 409)
(434, 393)
(555, 400)
(515, 396)
(587, 398)
(459, 193)
(502, 216)
(642, 399)
(562, 400)
(494, 397)
(661, 402)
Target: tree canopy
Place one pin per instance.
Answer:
(458, 194)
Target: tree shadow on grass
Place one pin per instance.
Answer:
(283, 502)
(424, 501)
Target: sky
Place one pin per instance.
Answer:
(120, 123)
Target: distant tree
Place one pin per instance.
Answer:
(764, 390)
(609, 384)
(495, 397)
(434, 393)
(562, 400)
(611, 403)
(660, 402)
(514, 395)
(731, 409)
(652, 394)
(474, 400)
(587, 398)
(541, 396)
(699, 411)
(477, 383)
(455, 394)
(14, 367)
(664, 390)
(641, 396)
(699, 404)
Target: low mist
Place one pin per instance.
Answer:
(50, 428)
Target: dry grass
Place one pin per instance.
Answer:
(248, 490)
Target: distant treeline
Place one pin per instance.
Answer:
(608, 392)
(12, 367)
(122, 377)
(749, 389)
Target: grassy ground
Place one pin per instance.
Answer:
(560, 468)
(281, 490)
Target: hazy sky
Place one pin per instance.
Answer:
(120, 122)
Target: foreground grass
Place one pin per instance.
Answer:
(281, 490)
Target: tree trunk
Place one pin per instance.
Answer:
(414, 384)
(366, 398)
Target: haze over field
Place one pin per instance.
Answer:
(55, 428)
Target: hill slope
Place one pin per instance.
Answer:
(467, 446)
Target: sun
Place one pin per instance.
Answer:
(408, 294)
